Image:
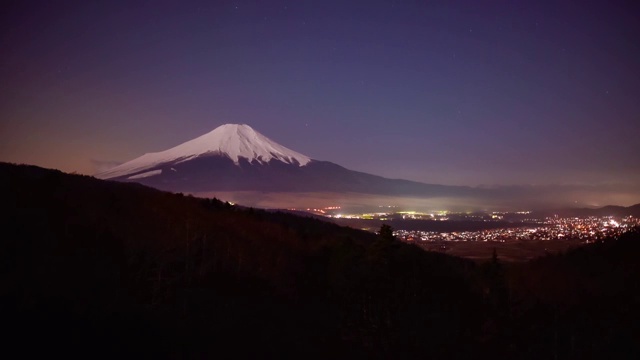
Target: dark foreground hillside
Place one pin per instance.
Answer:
(101, 269)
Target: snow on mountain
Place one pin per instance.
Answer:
(231, 140)
(145, 174)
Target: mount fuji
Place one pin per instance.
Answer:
(235, 157)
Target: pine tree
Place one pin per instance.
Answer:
(386, 232)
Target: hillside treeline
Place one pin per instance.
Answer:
(95, 268)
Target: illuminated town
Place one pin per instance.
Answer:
(519, 225)
(585, 230)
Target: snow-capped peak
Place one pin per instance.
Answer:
(232, 140)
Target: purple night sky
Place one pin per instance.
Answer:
(452, 92)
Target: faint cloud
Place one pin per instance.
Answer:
(103, 165)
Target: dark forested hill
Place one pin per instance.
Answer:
(123, 267)
(92, 268)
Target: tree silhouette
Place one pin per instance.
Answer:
(496, 285)
(386, 232)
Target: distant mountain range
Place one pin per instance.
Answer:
(237, 163)
(610, 210)
(237, 158)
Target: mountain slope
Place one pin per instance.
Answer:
(231, 141)
(133, 270)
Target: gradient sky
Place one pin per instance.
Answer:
(453, 92)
